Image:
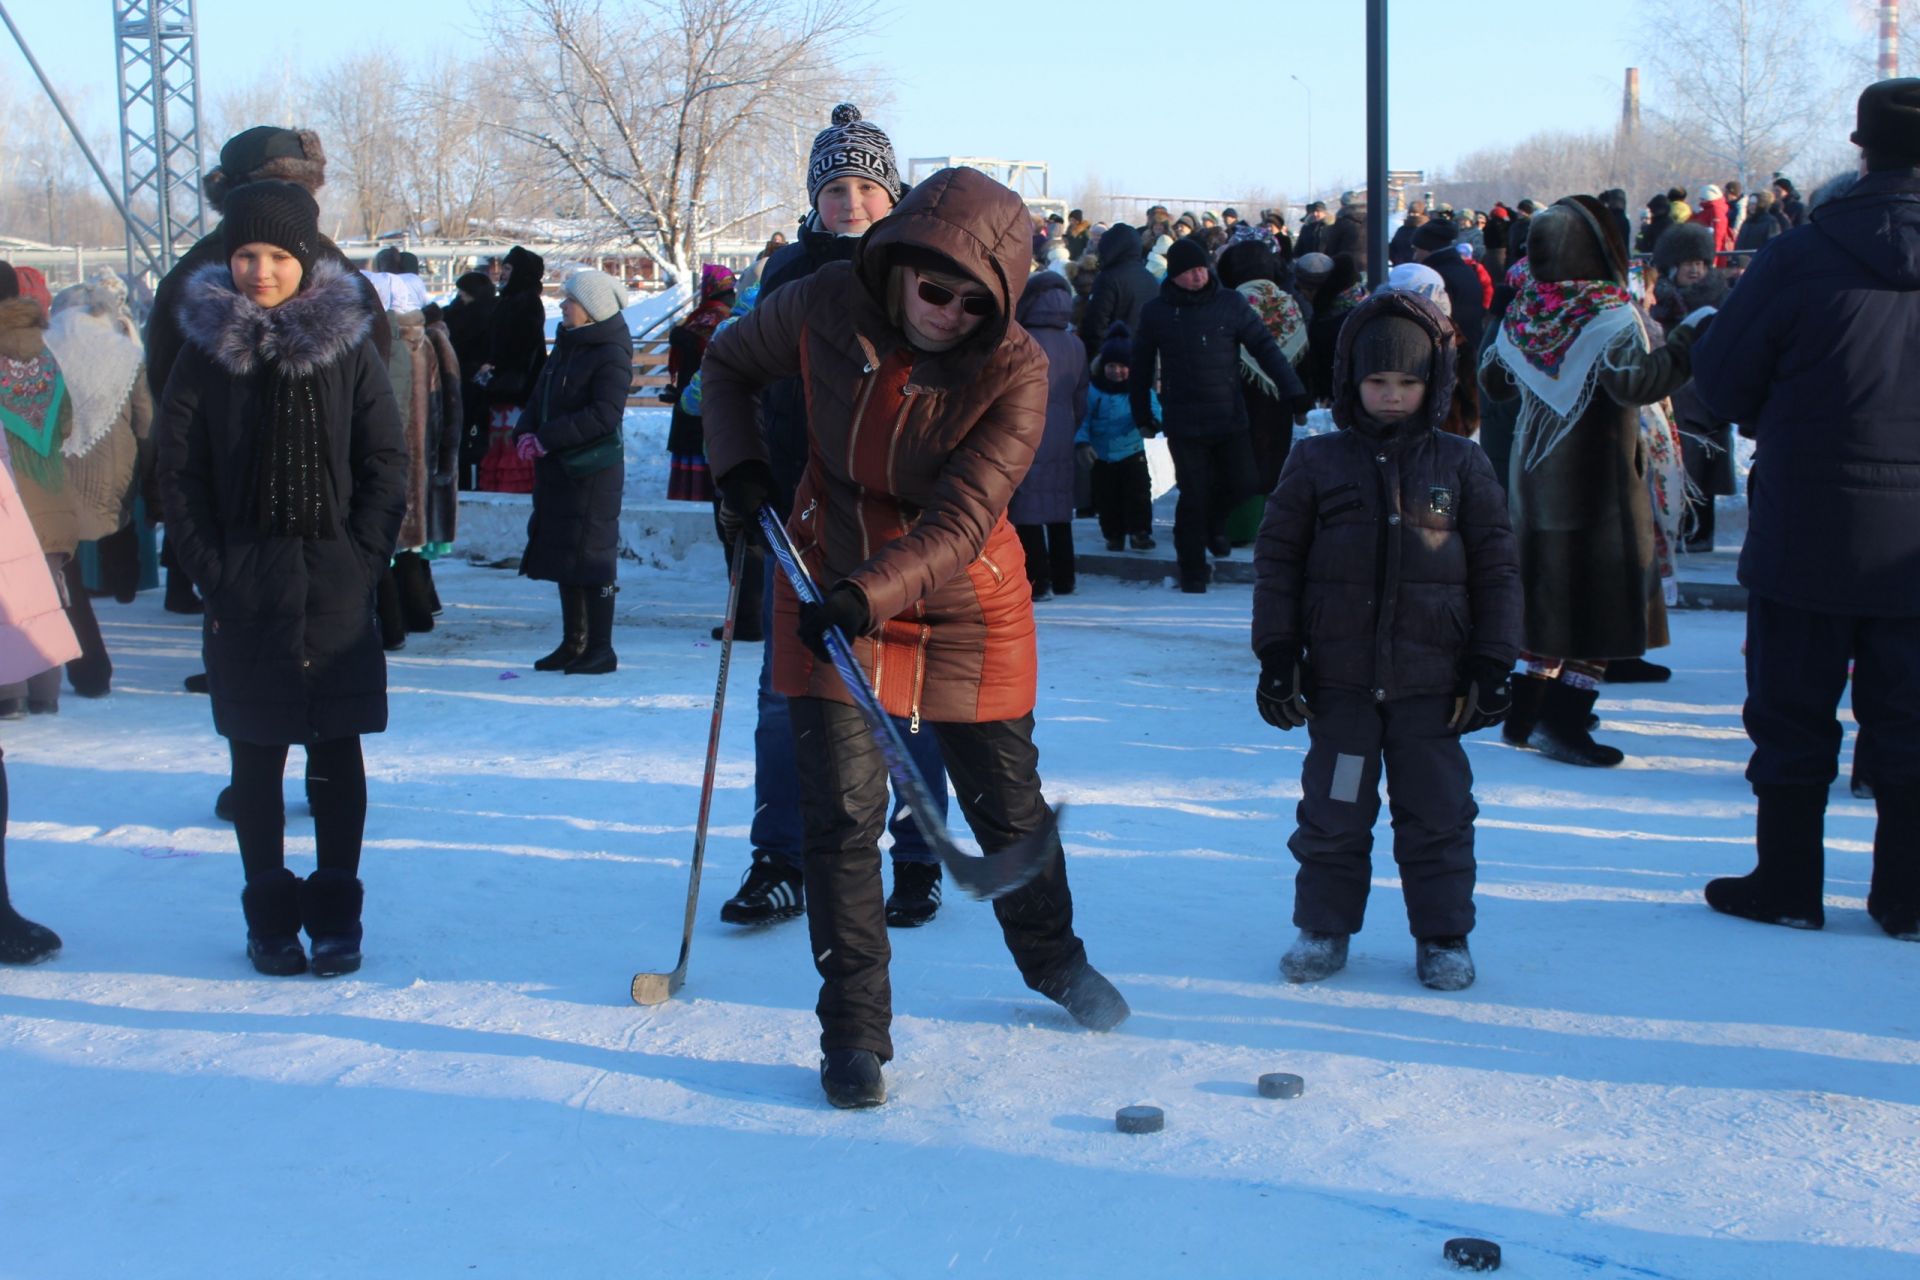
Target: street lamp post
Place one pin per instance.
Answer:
(1304, 85)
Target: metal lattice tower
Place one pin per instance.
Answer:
(159, 61)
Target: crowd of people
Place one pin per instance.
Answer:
(927, 387)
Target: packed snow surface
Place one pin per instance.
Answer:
(1635, 1087)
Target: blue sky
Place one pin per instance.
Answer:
(1158, 98)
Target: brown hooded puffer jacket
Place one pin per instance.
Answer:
(912, 458)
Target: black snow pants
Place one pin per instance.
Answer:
(1429, 792)
(1215, 475)
(843, 802)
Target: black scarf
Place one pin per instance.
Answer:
(287, 471)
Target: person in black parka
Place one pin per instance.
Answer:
(469, 324)
(516, 350)
(1817, 353)
(282, 472)
(1436, 247)
(570, 430)
(1122, 287)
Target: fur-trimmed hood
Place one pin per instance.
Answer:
(314, 328)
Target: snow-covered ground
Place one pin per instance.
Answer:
(1636, 1087)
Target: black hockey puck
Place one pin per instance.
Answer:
(1470, 1254)
(1281, 1084)
(1140, 1120)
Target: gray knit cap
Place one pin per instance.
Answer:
(596, 291)
(851, 145)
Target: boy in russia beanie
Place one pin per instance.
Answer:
(851, 146)
(274, 212)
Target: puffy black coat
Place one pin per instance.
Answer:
(1046, 313)
(517, 332)
(292, 650)
(1817, 353)
(1196, 336)
(1121, 290)
(1463, 293)
(1386, 554)
(573, 536)
(1348, 234)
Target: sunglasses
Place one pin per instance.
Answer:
(933, 295)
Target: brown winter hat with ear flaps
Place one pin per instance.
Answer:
(266, 151)
(1575, 239)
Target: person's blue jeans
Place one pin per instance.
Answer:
(777, 828)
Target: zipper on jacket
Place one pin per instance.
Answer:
(919, 672)
(992, 568)
(893, 446)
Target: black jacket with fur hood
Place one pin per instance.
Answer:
(293, 654)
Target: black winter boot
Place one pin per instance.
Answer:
(331, 900)
(573, 630)
(1314, 956)
(1084, 992)
(433, 592)
(386, 603)
(21, 940)
(272, 908)
(416, 593)
(91, 674)
(599, 658)
(916, 894)
(223, 804)
(1444, 964)
(1637, 671)
(1893, 900)
(1789, 843)
(1564, 732)
(1529, 695)
(852, 1078)
(769, 891)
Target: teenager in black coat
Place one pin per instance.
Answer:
(1123, 287)
(570, 429)
(282, 473)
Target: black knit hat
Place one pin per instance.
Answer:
(1392, 344)
(1888, 117)
(1436, 234)
(1185, 255)
(1118, 347)
(476, 283)
(276, 213)
(9, 282)
(851, 146)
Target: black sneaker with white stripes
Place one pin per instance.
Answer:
(915, 896)
(769, 891)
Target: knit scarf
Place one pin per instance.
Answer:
(1281, 315)
(1556, 338)
(31, 392)
(287, 469)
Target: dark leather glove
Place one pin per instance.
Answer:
(844, 608)
(1282, 696)
(743, 491)
(1483, 697)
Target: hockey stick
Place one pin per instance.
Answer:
(657, 988)
(983, 877)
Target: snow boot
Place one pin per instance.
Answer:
(1142, 541)
(1084, 992)
(1314, 956)
(272, 909)
(573, 630)
(1116, 544)
(21, 940)
(1041, 591)
(387, 608)
(1529, 695)
(769, 891)
(852, 1078)
(916, 894)
(330, 900)
(1564, 732)
(433, 593)
(1893, 900)
(13, 708)
(1444, 964)
(416, 594)
(1637, 671)
(223, 804)
(196, 683)
(599, 658)
(1788, 840)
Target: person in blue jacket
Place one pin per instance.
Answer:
(1122, 487)
(1817, 355)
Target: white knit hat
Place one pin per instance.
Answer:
(599, 293)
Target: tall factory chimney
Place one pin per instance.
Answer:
(1889, 39)
(1630, 105)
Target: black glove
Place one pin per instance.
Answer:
(844, 608)
(1483, 697)
(669, 395)
(1283, 691)
(743, 491)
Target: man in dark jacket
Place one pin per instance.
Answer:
(1120, 290)
(1313, 232)
(1195, 330)
(1348, 234)
(1814, 354)
(1400, 248)
(1435, 245)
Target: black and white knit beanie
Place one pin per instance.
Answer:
(851, 145)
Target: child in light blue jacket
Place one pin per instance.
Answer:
(1121, 492)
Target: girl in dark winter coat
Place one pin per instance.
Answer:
(282, 473)
(1386, 616)
(926, 403)
(570, 434)
(469, 324)
(1042, 507)
(516, 349)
